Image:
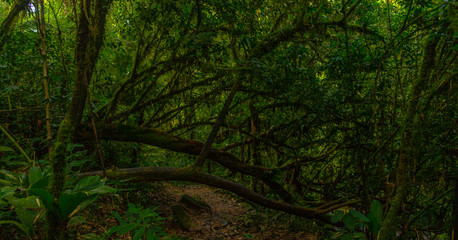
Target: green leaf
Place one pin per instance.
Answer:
(35, 175)
(359, 236)
(43, 183)
(11, 178)
(69, 202)
(88, 183)
(77, 220)
(349, 221)
(112, 230)
(121, 229)
(127, 228)
(6, 149)
(151, 235)
(139, 233)
(47, 199)
(6, 191)
(24, 180)
(89, 200)
(359, 215)
(347, 236)
(101, 190)
(21, 227)
(248, 236)
(375, 216)
(5, 182)
(337, 216)
(133, 209)
(117, 216)
(377, 210)
(27, 210)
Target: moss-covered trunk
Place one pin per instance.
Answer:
(89, 41)
(407, 156)
(18, 7)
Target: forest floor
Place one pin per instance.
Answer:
(229, 219)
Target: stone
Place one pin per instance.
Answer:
(184, 219)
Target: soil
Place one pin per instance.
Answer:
(229, 218)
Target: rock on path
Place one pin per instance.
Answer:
(228, 219)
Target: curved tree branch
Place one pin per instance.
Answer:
(198, 176)
(9, 21)
(150, 136)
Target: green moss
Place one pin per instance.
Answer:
(410, 136)
(389, 226)
(183, 218)
(58, 167)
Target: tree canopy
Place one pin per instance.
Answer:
(305, 107)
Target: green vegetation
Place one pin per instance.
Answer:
(33, 197)
(142, 222)
(340, 113)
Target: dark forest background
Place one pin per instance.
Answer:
(341, 112)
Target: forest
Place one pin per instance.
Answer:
(228, 119)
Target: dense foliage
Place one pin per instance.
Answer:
(318, 105)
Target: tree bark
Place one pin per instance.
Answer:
(89, 40)
(9, 21)
(409, 137)
(199, 176)
(151, 136)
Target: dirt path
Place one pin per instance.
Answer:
(228, 219)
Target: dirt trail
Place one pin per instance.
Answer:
(228, 220)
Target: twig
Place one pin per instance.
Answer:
(16, 144)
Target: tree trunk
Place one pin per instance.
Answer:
(199, 176)
(153, 137)
(89, 39)
(19, 5)
(409, 138)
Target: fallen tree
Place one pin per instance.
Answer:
(196, 175)
(154, 137)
